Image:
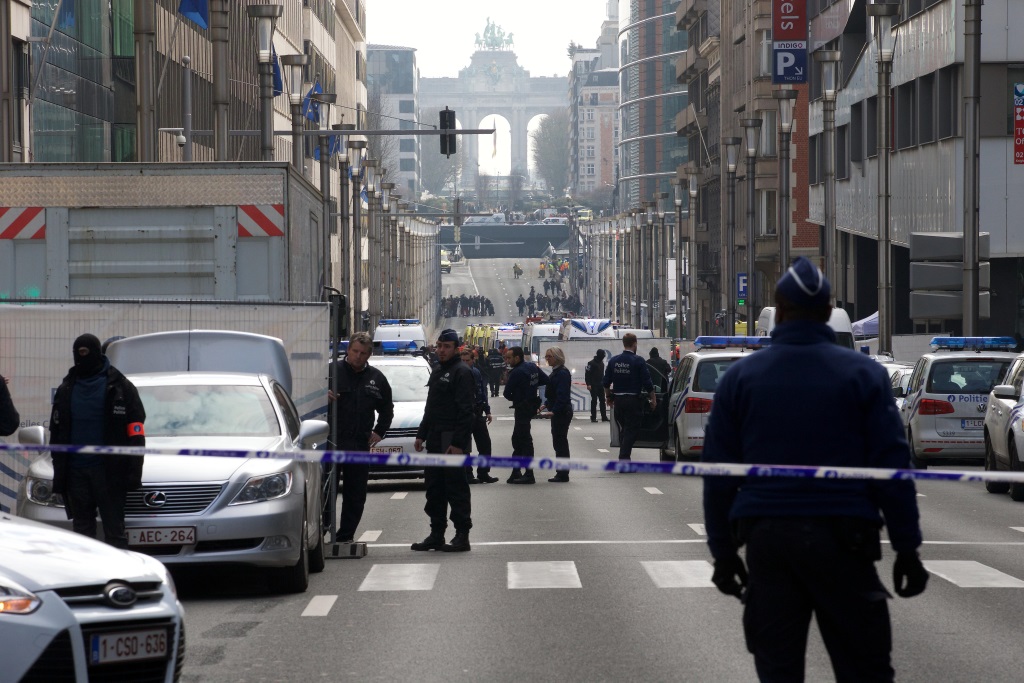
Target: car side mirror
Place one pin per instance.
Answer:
(899, 392)
(34, 435)
(1006, 391)
(312, 432)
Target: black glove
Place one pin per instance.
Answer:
(909, 570)
(730, 575)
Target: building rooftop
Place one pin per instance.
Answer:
(392, 48)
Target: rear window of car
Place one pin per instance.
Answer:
(709, 374)
(408, 382)
(965, 376)
(208, 410)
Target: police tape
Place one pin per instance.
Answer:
(414, 460)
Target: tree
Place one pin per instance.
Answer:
(436, 171)
(380, 116)
(551, 150)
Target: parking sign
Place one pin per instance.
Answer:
(789, 41)
(741, 285)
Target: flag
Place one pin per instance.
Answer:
(196, 10)
(311, 109)
(278, 81)
(334, 147)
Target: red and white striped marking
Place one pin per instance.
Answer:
(261, 220)
(22, 223)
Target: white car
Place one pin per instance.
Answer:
(408, 377)
(1004, 431)
(76, 609)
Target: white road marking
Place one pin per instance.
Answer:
(588, 438)
(1017, 528)
(653, 491)
(971, 574)
(319, 606)
(684, 541)
(578, 428)
(400, 495)
(698, 529)
(469, 269)
(556, 574)
(369, 537)
(400, 577)
(602, 450)
(506, 419)
(680, 573)
(921, 495)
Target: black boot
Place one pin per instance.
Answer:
(435, 541)
(561, 477)
(470, 477)
(516, 474)
(527, 478)
(484, 475)
(459, 544)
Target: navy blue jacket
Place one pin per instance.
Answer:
(806, 401)
(627, 374)
(481, 391)
(522, 383)
(450, 398)
(559, 391)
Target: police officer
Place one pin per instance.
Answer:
(811, 545)
(481, 418)
(659, 368)
(593, 375)
(625, 380)
(558, 407)
(447, 427)
(521, 388)
(495, 367)
(361, 391)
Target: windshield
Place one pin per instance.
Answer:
(844, 339)
(709, 374)
(208, 410)
(966, 376)
(535, 344)
(408, 382)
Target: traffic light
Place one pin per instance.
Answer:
(741, 302)
(448, 139)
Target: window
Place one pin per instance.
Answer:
(406, 107)
(926, 109)
(767, 211)
(905, 116)
(407, 165)
(857, 132)
(589, 169)
(871, 127)
(590, 151)
(842, 152)
(948, 102)
(405, 124)
(769, 132)
(590, 132)
(764, 59)
(590, 114)
(407, 145)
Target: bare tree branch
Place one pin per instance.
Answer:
(551, 150)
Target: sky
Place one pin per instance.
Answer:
(444, 31)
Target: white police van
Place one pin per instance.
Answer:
(394, 335)
(586, 328)
(1004, 429)
(693, 388)
(947, 397)
(839, 321)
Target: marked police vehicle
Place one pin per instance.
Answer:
(945, 403)
(586, 328)
(693, 389)
(406, 332)
(536, 332)
(1004, 429)
(839, 321)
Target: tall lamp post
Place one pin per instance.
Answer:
(972, 157)
(752, 136)
(786, 100)
(357, 148)
(693, 178)
(266, 19)
(345, 249)
(378, 232)
(648, 264)
(680, 252)
(829, 60)
(294, 64)
(885, 43)
(325, 101)
(732, 157)
(662, 263)
(389, 252)
(370, 167)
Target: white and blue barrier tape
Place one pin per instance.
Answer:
(686, 469)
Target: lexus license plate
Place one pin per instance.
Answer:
(385, 449)
(167, 535)
(972, 424)
(126, 646)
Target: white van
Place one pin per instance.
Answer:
(397, 335)
(644, 333)
(537, 332)
(586, 328)
(839, 321)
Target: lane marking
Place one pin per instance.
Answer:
(400, 495)
(685, 541)
(556, 574)
(400, 577)
(653, 490)
(578, 428)
(921, 495)
(680, 573)
(602, 450)
(1018, 528)
(369, 536)
(698, 529)
(319, 606)
(469, 268)
(588, 438)
(971, 574)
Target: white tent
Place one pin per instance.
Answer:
(868, 327)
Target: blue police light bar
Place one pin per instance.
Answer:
(973, 343)
(400, 321)
(726, 342)
(392, 347)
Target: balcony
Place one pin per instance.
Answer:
(688, 11)
(687, 121)
(688, 65)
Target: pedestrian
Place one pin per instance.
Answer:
(96, 405)
(558, 408)
(626, 379)
(521, 388)
(9, 418)
(660, 370)
(593, 375)
(495, 366)
(520, 304)
(481, 418)
(811, 546)
(364, 404)
(447, 427)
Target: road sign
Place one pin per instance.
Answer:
(789, 41)
(741, 286)
(1018, 123)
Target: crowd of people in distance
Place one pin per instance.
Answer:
(557, 301)
(464, 306)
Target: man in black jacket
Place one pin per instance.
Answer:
(96, 405)
(660, 370)
(524, 380)
(495, 367)
(362, 391)
(593, 375)
(9, 418)
(447, 427)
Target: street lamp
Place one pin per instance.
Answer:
(357, 148)
(647, 265)
(266, 19)
(325, 101)
(829, 60)
(693, 178)
(343, 166)
(294, 64)
(732, 157)
(786, 100)
(390, 246)
(885, 44)
(662, 262)
(680, 252)
(370, 169)
(752, 135)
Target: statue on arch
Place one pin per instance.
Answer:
(479, 42)
(508, 42)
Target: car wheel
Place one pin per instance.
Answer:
(918, 463)
(1016, 490)
(666, 452)
(294, 579)
(317, 561)
(990, 466)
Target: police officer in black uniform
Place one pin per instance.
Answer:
(660, 370)
(495, 366)
(811, 544)
(521, 388)
(593, 375)
(626, 379)
(362, 391)
(481, 418)
(447, 427)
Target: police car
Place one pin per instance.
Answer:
(693, 388)
(1004, 431)
(945, 403)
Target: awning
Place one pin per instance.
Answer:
(868, 327)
